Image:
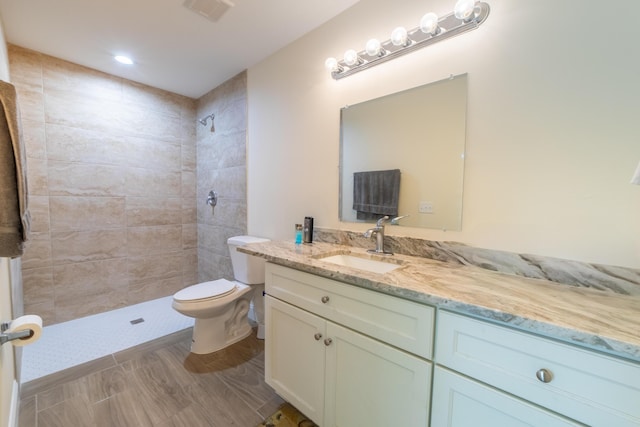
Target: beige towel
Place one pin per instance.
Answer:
(14, 213)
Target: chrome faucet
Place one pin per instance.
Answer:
(378, 231)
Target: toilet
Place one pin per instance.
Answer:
(221, 307)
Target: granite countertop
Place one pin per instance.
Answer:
(599, 320)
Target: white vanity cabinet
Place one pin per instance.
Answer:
(347, 356)
(493, 375)
(459, 401)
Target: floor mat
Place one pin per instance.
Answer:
(287, 416)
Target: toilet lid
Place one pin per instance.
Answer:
(206, 290)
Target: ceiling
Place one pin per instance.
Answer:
(173, 48)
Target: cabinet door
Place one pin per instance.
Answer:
(295, 356)
(462, 402)
(371, 384)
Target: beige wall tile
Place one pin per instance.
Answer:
(144, 123)
(110, 273)
(189, 184)
(84, 112)
(233, 181)
(85, 288)
(25, 67)
(164, 156)
(152, 183)
(189, 236)
(153, 240)
(228, 213)
(46, 310)
(189, 210)
(232, 116)
(86, 213)
(81, 179)
(37, 252)
(224, 151)
(34, 138)
(188, 154)
(79, 81)
(189, 267)
(37, 176)
(81, 246)
(221, 165)
(72, 144)
(148, 211)
(39, 211)
(153, 289)
(152, 99)
(212, 266)
(153, 268)
(37, 285)
(30, 103)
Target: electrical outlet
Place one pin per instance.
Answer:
(425, 207)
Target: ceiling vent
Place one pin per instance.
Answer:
(210, 9)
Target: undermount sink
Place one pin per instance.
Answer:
(366, 264)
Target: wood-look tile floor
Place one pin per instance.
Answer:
(156, 384)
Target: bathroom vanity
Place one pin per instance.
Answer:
(429, 343)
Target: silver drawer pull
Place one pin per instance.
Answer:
(328, 341)
(318, 336)
(325, 299)
(544, 375)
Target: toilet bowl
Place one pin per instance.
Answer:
(220, 307)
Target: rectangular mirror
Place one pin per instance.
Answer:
(420, 131)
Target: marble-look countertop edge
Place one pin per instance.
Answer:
(513, 291)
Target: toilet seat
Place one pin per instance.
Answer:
(205, 291)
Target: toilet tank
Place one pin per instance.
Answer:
(246, 268)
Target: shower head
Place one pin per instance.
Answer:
(203, 121)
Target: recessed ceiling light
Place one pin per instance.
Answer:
(123, 59)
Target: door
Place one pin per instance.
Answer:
(461, 402)
(8, 376)
(294, 356)
(371, 384)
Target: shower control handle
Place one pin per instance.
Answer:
(212, 198)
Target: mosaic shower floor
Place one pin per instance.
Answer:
(72, 343)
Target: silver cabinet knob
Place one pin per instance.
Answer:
(325, 299)
(318, 336)
(328, 341)
(544, 375)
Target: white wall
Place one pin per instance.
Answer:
(553, 132)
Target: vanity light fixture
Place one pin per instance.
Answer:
(467, 15)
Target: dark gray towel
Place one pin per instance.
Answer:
(376, 193)
(14, 215)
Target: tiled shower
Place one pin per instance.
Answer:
(118, 174)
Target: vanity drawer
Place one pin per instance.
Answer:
(584, 385)
(401, 323)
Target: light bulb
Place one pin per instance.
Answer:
(331, 64)
(399, 36)
(123, 59)
(374, 48)
(351, 58)
(429, 24)
(464, 9)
